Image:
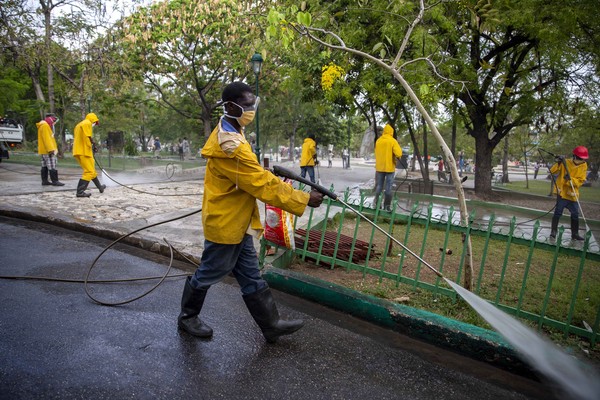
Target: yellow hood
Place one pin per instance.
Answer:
(388, 130)
(92, 117)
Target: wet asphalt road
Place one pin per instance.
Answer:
(56, 343)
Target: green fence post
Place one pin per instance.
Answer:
(488, 235)
(323, 231)
(561, 229)
(576, 288)
(340, 227)
(536, 228)
(406, 235)
(513, 223)
(375, 218)
(445, 246)
(357, 225)
(424, 244)
(308, 226)
(388, 242)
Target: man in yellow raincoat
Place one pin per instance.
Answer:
(571, 175)
(83, 151)
(308, 158)
(387, 150)
(48, 150)
(233, 181)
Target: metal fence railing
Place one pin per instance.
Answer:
(553, 286)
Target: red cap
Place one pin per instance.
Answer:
(581, 152)
(50, 120)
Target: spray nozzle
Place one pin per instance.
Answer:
(286, 173)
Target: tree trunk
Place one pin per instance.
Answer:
(425, 170)
(37, 87)
(48, 40)
(526, 170)
(483, 165)
(453, 139)
(505, 161)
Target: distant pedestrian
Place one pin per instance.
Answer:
(157, 147)
(536, 169)
(571, 175)
(308, 159)
(84, 148)
(186, 147)
(180, 150)
(330, 159)
(345, 158)
(48, 149)
(441, 171)
(387, 150)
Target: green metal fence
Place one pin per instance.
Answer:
(554, 287)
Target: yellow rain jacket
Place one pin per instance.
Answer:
(387, 150)
(309, 149)
(82, 144)
(577, 173)
(233, 181)
(46, 141)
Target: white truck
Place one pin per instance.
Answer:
(11, 132)
(11, 135)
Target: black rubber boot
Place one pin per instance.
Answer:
(45, 181)
(54, 178)
(387, 202)
(192, 301)
(554, 227)
(81, 186)
(100, 186)
(575, 229)
(264, 311)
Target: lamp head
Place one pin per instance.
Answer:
(256, 61)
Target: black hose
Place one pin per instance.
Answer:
(141, 191)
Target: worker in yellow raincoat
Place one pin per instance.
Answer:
(233, 181)
(48, 149)
(308, 157)
(571, 175)
(83, 151)
(387, 150)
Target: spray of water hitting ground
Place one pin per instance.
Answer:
(575, 379)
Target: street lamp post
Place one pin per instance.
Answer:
(257, 61)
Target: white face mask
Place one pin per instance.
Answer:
(248, 113)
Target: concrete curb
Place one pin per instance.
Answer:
(466, 339)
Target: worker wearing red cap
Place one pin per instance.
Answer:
(83, 151)
(48, 150)
(571, 175)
